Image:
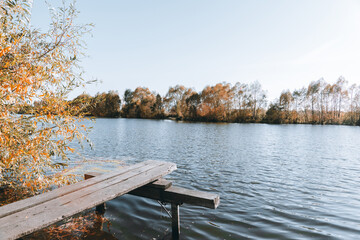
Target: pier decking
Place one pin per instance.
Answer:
(143, 179)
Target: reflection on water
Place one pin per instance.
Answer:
(275, 181)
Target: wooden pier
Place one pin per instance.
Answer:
(143, 179)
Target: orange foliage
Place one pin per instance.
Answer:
(85, 226)
(39, 67)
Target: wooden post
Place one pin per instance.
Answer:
(175, 221)
(100, 209)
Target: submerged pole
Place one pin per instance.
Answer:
(175, 221)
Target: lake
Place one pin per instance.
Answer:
(274, 181)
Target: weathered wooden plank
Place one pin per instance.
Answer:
(52, 211)
(100, 209)
(193, 197)
(103, 184)
(29, 202)
(87, 198)
(179, 195)
(174, 194)
(160, 183)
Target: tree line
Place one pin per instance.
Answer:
(219, 103)
(318, 103)
(101, 105)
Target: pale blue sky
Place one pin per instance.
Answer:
(157, 44)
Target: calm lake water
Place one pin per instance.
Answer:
(274, 181)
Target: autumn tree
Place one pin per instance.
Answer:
(81, 105)
(241, 103)
(299, 99)
(145, 101)
(141, 103)
(286, 101)
(341, 94)
(216, 102)
(240, 95)
(354, 108)
(128, 103)
(257, 99)
(274, 114)
(192, 103)
(158, 107)
(280, 110)
(175, 101)
(43, 67)
(105, 105)
(312, 94)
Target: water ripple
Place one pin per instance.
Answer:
(275, 182)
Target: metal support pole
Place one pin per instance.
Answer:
(175, 221)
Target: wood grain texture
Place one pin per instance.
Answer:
(90, 193)
(29, 202)
(179, 195)
(160, 183)
(173, 194)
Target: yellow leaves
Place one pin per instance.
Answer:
(45, 154)
(5, 50)
(6, 65)
(34, 67)
(6, 138)
(70, 149)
